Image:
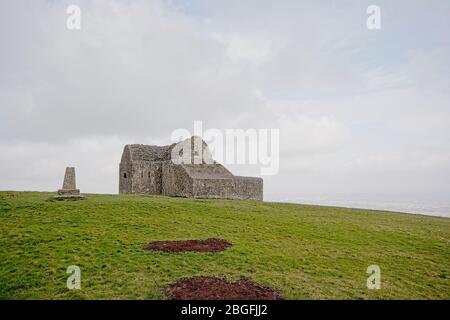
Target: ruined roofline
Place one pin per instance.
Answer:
(142, 152)
(207, 171)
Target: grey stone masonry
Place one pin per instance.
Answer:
(184, 169)
(69, 185)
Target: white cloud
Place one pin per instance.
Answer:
(357, 110)
(40, 165)
(250, 50)
(302, 135)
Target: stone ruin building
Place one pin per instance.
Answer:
(184, 169)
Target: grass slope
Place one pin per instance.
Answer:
(306, 252)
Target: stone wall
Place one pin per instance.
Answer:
(208, 181)
(238, 188)
(146, 177)
(176, 181)
(214, 188)
(143, 173)
(248, 188)
(125, 170)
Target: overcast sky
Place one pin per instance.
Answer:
(358, 110)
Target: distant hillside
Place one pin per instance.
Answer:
(304, 252)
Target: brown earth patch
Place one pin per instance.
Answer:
(208, 245)
(211, 288)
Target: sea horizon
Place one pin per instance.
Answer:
(414, 204)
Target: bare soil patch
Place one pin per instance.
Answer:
(208, 245)
(212, 288)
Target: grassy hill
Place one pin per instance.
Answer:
(305, 252)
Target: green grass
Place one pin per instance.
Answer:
(306, 252)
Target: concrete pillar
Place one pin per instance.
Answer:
(69, 185)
